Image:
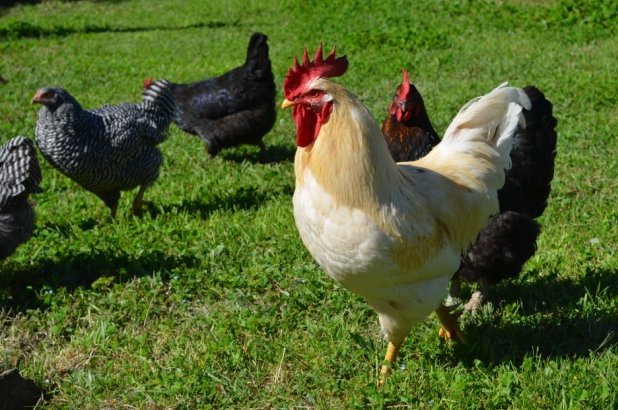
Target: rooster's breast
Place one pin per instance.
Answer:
(344, 241)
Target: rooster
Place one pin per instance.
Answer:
(107, 150)
(20, 176)
(509, 239)
(235, 108)
(393, 233)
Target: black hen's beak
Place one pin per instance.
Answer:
(404, 106)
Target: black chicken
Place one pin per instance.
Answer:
(107, 150)
(509, 239)
(235, 108)
(20, 176)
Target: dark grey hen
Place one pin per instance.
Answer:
(238, 107)
(20, 176)
(109, 149)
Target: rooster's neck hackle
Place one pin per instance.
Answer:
(349, 158)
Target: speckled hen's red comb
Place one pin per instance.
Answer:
(298, 76)
(405, 85)
(147, 82)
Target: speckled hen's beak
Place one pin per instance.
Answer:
(37, 98)
(286, 103)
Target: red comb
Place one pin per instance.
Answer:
(147, 82)
(299, 75)
(405, 84)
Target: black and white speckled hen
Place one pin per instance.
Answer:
(109, 149)
(20, 176)
(235, 108)
(509, 239)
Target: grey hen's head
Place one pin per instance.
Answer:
(54, 98)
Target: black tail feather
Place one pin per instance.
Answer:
(528, 182)
(257, 55)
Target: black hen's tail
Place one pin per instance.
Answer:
(528, 182)
(257, 56)
(20, 172)
(501, 249)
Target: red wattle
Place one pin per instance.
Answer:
(306, 122)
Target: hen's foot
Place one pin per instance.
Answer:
(389, 361)
(449, 327)
(475, 302)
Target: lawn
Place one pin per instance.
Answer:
(210, 300)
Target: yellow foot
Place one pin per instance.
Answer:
(389, 361)
(385, 372)
(449, 328)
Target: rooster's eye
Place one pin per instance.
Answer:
(312, 94)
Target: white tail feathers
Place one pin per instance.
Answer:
(492, 118)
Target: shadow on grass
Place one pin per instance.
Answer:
(7, 4)
(10, 3)
(22, 29)
(272, 154)
(243, 198)
(558, 318)
(18, 286)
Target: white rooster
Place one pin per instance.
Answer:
(393, 233)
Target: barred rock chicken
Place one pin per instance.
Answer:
(20, 176)
(235, 108)
(109, 149)
(393, 233)
(509, 239)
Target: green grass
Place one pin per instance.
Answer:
(211, 300)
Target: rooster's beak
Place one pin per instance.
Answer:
(286, 103)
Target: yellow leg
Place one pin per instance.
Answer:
(391, 355)
(449, 327)
(389, 361)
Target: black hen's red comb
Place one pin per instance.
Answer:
(405, 85)
(299, 75)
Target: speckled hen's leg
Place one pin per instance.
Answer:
(113, 209)
(111, 200)
(449, 327)
(139, 199)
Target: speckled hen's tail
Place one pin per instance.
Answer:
(20, 172)
(159, 93)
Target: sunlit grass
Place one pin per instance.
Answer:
(210, 299)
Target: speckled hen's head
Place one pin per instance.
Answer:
(312, 106)
(52, 98)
